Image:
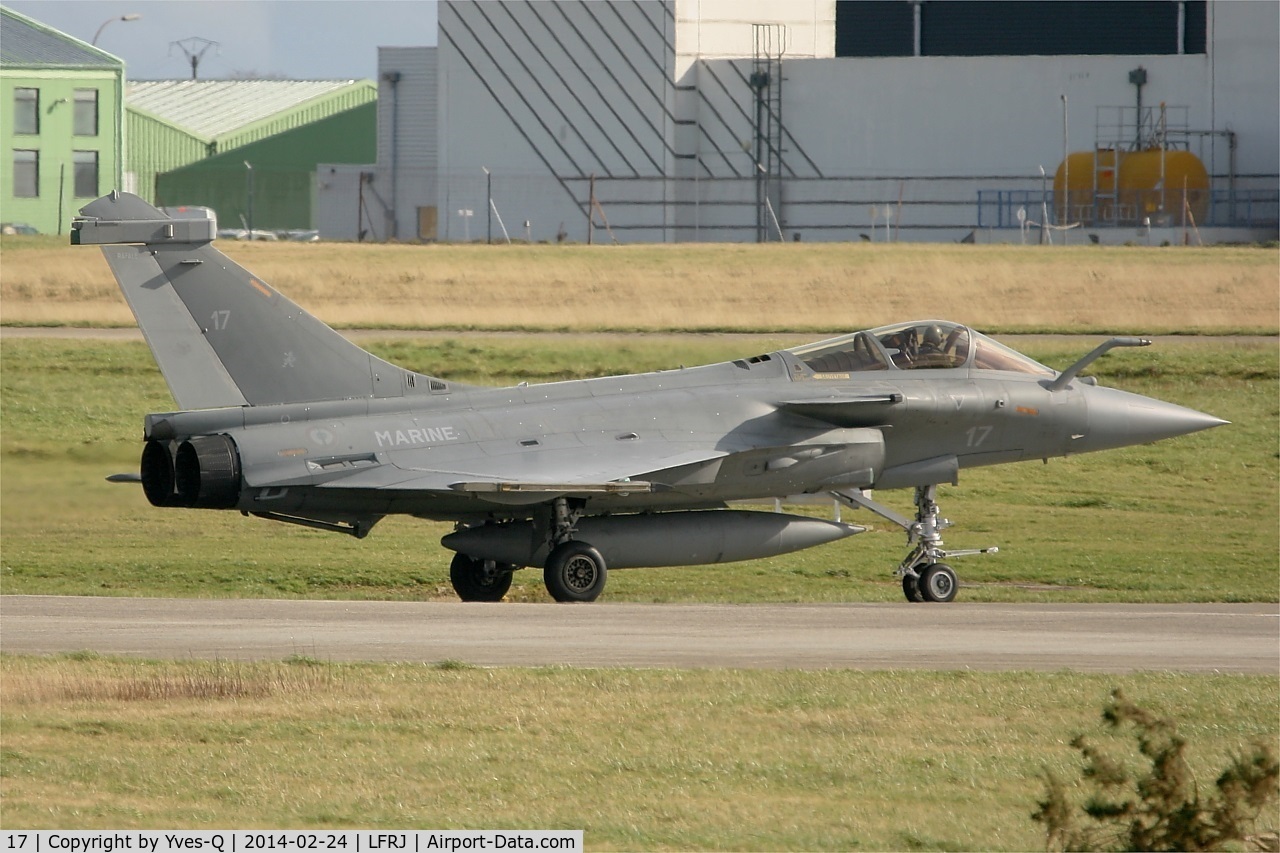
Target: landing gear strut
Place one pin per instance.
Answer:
(925, 577)
(574, 570)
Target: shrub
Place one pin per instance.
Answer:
(1160, 809)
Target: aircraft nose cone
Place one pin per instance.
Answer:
(1119, 419)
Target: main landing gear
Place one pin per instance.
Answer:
(925, 577)
(573, 571)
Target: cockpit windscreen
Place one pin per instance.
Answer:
(926, 345)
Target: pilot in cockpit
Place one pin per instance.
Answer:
(932, 343)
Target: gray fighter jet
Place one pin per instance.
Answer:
(285, 419)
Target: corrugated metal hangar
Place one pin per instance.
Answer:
(746, 120)
(215, 143)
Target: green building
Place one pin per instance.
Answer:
(246, 148)
(60, 122)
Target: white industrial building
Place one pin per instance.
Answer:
(746, 120)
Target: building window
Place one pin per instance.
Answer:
(26, 174)
(1195, 37)
(1075, 27)
(86, 166)
(86, 117)
(1027, 28)
(26, 111)
(875, 28)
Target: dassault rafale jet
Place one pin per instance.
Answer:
(284, 419)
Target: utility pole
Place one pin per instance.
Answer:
(194, 48)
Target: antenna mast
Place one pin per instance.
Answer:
(194, 48)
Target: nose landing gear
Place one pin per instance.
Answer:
(932, 582)
(925, 577)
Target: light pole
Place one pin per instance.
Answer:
(1066, 171)
(488, 211)
(132, 16)
(1044, 205)
(249, 180)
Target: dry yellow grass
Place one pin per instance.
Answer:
(800, 288)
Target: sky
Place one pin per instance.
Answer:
(289, 39)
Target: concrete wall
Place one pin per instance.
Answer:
(1244, 81)
(544, 95)
(340, 212)
(409, 116)
(653, 99)
(723, 29)
(936, 130)
(930, 132)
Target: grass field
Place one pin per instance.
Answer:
(639, 759)
(809, 288)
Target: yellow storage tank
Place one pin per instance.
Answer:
(1073, 185)
(1131, 187)
(1152, 184)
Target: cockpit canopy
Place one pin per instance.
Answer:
(922, 345)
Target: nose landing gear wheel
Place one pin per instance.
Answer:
(938, 583)
(924, 576)
(575, 572)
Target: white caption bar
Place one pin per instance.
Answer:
(286, 841)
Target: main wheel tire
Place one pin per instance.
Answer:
(911, 588)
(575, 572)
(472, 583)
(938, 583)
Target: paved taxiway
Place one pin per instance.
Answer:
(1236, 638)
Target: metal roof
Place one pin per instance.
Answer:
(27, 43)
(213, 108)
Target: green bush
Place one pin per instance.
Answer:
(1161, 809)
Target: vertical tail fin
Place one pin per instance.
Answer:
(221, 336)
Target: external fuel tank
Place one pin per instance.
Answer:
(661, 539)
